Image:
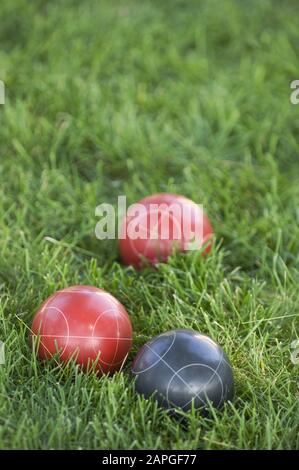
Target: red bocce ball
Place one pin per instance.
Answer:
(84, 323)
(167, 222)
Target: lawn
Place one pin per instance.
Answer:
(130, 98)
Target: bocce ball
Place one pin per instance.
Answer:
(84, 323)
(182, 367)
(159, 224)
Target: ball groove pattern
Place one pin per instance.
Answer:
(182, 367)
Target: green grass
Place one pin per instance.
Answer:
(106, 98)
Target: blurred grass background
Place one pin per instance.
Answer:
(125, 97)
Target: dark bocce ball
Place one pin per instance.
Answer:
(183, 366)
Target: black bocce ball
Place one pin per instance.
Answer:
(182, 367)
